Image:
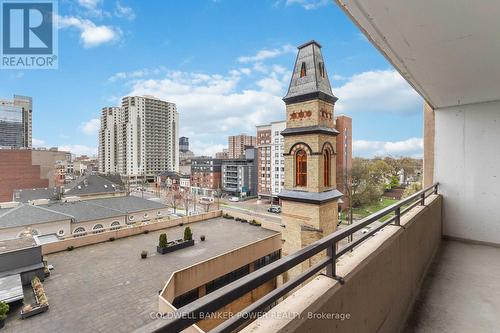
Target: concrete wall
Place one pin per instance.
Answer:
(148, 215)
(382, 279)
(124, 232)
(199, 275)
(106, 223)
(467, 159)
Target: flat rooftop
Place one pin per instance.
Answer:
(9, 245)
(107, 287)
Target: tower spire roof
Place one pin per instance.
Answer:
(309, 78)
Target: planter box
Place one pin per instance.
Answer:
(174, 246)
(34, 311)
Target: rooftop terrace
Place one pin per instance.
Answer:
(126, 285)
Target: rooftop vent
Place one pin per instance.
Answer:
(11, 204)
(38, 202)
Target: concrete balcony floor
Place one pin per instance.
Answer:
(461, 292)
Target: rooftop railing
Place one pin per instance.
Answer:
(202, 307)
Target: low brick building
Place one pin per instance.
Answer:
(18, 171)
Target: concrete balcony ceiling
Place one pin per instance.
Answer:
(447, 50)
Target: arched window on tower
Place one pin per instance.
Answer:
(326, 168)
(301, 168)
(303, 70)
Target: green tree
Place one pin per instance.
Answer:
(4, 309)
(368, 179)
(411, 189)
(188, 235)
(163, 240)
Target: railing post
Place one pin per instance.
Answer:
(397, 212)
(422, 199)
(330, 252)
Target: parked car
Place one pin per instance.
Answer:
(234, 199)
(274, 209)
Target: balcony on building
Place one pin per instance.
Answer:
(433, 266)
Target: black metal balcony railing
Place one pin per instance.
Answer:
(190, 314)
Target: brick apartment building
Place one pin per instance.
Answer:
(343, 124)
(238, 143)
(24, 168)
(205, 175)
(271, 165)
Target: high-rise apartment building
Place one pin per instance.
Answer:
(140, 139)
(238, 143)
(271, 164)
(183, 144)
(108, 142)
(16, 122)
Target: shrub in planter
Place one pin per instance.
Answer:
(181, 224)
(4, 308)
(237, 219)
(70, 248)
(111, 239)
(243, 221)
(202, 238)
(188, 235)
(144, 254)
(27, 308)
(162, 242)
(146, 232)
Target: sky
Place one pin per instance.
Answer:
(225, 63)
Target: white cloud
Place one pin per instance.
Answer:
(91, 127)
(213, 106)
(377, 91)
(124, 11)
(137, 73)
(308, 4)
(411, 147)
(91, 35)
(89, 4)
(37, 143)
(79, 149)
(267, 54)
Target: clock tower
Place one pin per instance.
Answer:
(309, 198)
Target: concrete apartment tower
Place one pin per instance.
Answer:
(140, 139)
(309, 199)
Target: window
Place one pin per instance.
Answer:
(326, 168)
(115, 225)
(321, 69)
(98, 228)
(80, 231)
(301, 168)
(303, 70)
